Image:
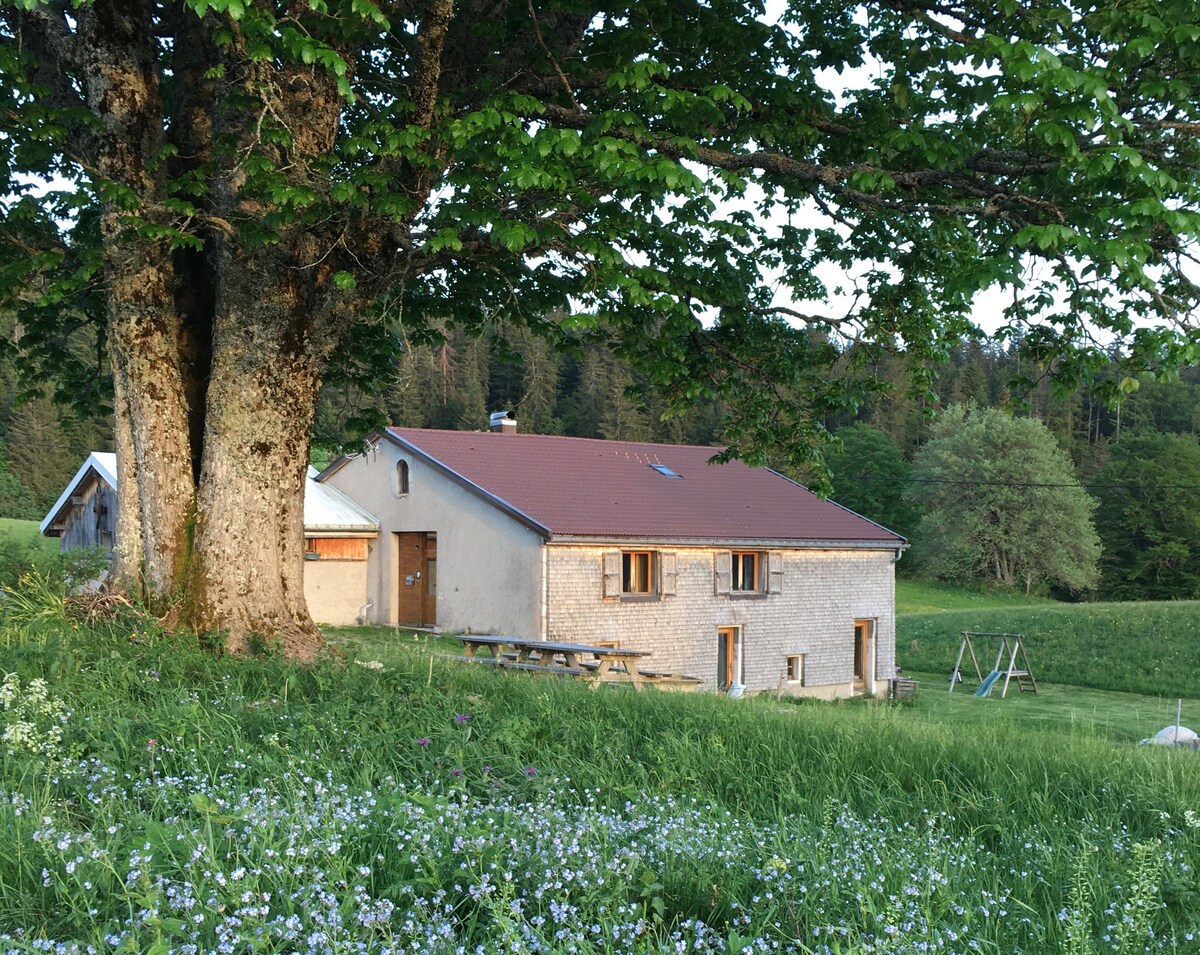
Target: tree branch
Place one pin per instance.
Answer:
(44, 39)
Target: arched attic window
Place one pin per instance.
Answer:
(401, 478)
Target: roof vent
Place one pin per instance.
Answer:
(502, 423)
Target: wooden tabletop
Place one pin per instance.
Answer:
(482, 638)
(540, 655)
(549, 646)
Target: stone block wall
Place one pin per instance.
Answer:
(822, 594)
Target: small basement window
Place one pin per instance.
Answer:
(795, 668)
(666, 471)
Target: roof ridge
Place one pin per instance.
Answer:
(609, 442)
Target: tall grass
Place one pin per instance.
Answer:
(195, 803)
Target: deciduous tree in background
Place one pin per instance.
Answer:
(999, 502)
(241, 188)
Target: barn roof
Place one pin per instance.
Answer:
(328, 510)
(101, 463)
(587, 488)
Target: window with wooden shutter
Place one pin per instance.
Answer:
(722, 571)
(746, 567)
(637, 573)
(774, 572)
(612, 574)
(668, 574)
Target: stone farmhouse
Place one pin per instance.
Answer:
(731, 574)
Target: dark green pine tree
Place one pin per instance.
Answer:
(1149, 517)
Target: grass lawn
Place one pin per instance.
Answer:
(924, 596)
(26, 531)
(1056, 707)
(162, 799)
(1146, 648)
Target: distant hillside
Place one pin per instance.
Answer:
(1145, 648)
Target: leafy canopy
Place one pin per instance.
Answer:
(679, 176)
(870, 476)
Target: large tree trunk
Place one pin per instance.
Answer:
(146, 358)
(127, 550)
(247, 578)
(120, 70)
(222, 309)
(272, 329)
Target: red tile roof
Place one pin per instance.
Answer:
(591, 488)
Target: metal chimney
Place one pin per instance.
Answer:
(502, 423)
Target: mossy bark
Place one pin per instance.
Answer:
(122, 87)
(246, 579)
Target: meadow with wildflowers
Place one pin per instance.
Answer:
(155, 798)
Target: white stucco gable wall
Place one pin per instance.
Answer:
(490, 565)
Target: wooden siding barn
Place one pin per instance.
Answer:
(85, 514)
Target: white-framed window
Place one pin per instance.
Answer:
(794, 668)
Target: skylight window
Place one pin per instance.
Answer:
(665, 471)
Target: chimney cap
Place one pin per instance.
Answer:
(502, 421)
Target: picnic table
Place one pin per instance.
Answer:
(594, 663)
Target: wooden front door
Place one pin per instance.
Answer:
(417, 565)
(728, 657)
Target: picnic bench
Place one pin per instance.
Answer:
(596, 664)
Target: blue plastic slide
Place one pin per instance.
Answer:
(986, 686)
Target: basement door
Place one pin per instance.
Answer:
(416, 603)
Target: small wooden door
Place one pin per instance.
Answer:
(416, 604)
(729, 656)
(862, 654)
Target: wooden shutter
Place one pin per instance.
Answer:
(668, 574)
(612, 574)
(722, 572)
(774, 572)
